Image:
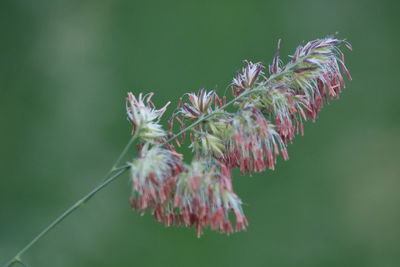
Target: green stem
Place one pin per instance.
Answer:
(124, 151)
(120, 170)
(78, 204)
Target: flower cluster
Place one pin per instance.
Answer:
(208, 139)
(248, 78)
(312, 75)
(153, 176)
(204, 197)
(255, 144)
(268, 113)
(144, 117)
(200, 105)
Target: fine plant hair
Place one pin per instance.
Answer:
(267, 109)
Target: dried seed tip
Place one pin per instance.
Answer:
(144, 117)
(204, 197)
(153, 176)
(179, 103)
(274, 68)
(349, 46)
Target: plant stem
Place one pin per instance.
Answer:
(118, 171)
(124, 151)
(78, 204)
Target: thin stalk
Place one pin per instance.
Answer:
(78, 204)
(124, 151)
(118, 171)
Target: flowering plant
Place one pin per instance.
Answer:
(269, 110)
(269, 113)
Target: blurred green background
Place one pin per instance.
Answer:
(65, 68)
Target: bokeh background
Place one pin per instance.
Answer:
(65, 68)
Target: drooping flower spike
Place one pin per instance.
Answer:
(204, 197)
(296, 91)
(314, 72)
(255, 143)
(153, 176)
(268, 113)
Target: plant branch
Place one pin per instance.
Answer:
(118, 171)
